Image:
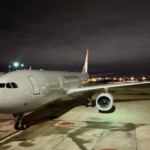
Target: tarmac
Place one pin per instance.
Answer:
(69, 125)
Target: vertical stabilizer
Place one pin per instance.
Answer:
(85, 67)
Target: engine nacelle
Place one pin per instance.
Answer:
(104, 102)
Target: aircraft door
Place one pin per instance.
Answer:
(35, 85)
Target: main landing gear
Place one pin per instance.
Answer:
(19, 125)
(90, 102)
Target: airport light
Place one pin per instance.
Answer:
(114, 78)
(143, 78)
(93, 80)
(16, 64)
(132, 78)
(22, 65)
(100, 79)
(120, 79)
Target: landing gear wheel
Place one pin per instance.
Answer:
(24, 126)
(20, 125)
(90, 102)
(87, 103)
(93, 103)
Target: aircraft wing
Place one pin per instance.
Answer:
(99, 87)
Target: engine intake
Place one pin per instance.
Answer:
(104, 102)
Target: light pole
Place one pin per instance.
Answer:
(9, 68)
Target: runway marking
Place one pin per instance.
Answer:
(66, 123)
(9, 135)
(108, 149)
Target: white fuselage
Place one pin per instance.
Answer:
(26, 90)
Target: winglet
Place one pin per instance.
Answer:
(85, 67)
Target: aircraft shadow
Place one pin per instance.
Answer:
(52, 111)
(59, 108)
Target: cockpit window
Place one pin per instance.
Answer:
(14, 85)
(8, 85)
(2, 85)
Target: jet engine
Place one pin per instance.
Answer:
(104, 102)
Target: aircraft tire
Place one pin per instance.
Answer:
(86, 104)
(20, 126)
(23, 126)
(93, 103)
(17, 125)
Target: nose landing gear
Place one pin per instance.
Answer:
(19, 125)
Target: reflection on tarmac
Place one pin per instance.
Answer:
(69, 125)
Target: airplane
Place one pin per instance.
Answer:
(23, 91)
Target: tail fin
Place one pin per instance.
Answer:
(85, 67)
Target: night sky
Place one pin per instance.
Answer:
(54, 35)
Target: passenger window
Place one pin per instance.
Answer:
(2, 85)
(14, 85)
(8, 85)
